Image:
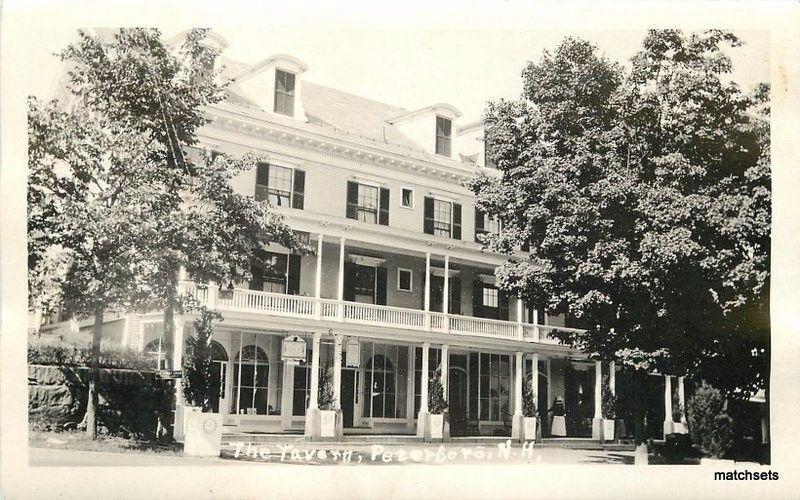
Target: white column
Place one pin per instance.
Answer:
(313, 401)
(598, 389)
(446, 294)
(537, 332)
(337, 370)
(518, 385)
(667, 405)
(239, 376)
(612, 377)
(520, 318)
(549, 384)
(682, 399)
(423, 386)
(427, 291)
(535, 379)
(340, 295)
(445, 367)
(410, 387)
(318, 278)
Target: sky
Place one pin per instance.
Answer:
(413, 68)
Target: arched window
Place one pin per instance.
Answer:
(156, 350)
(251, 395)
(380, 377)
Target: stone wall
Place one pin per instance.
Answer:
(131, 402)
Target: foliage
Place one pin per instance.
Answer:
(677, 411)
(437, 403)
(644, 198)
(325, 396)
(198, 362)
(709, 424)
(81, 356)
(528, 399)
(608, 401)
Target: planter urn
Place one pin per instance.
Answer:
(437, 425)
(608, 429)
(529, 428)
(327, 423)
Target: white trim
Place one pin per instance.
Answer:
(439, 271)
(365, 260)
(410, 281)
(369, 182)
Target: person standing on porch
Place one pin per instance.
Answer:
(558, 426)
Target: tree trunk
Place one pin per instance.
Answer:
(166, 427)
(90, 419)
(640, 456)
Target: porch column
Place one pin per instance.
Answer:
(340, 296)
(318, 278)
(312, 413)
(535, 380)
(177, 364)
(516, 422)
(520, 318)
(612, 377)
(597, 421)
(682, 399)
(445, 367)
(427, 301)
(423, 427)
(410, 387)
(337, 371)
(446, 294)
(667, 405)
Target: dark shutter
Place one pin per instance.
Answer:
(479, 223)
(383, 208)
(502, 300)
(262, 180)
(477, 299)
(455, 295)
(349, 281)
(299, 189)
(456, 221)
(352, 200)
(380, 286)
(293, 278)
(428, 222)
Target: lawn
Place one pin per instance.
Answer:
(77, 440)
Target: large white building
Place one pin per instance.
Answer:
(398, 286)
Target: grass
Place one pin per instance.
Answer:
(78, 440)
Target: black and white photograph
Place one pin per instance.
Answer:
(304, 248)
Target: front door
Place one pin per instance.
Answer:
(348, 397)
(457, 399)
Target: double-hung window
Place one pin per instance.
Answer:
(280, 186)
(367, 203)
(442, 218)
(284, 92)
(444, 134)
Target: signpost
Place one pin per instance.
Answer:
(293, 349)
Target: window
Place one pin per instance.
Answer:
(251, 370)
(270, 274)
(442, 217)
(492, 225)
(407, 200)
(367, 203)
(489, 386)
(404, 279)
(219, 369)
(385, 376)
(490, 298)
(279, 192)
(284, 92)
(157, 350)
(364, 284)
(443, 135)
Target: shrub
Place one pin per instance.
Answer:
(198, 362)
(608, 402)
(73, 355)
(325, 395)
(528, 400)
(437, 403)
(710, 426)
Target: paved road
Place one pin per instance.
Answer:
(310, 454)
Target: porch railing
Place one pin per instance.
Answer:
(298, 306)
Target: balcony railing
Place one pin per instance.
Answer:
(297, 306)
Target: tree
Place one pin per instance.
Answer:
(326, 400)
(643, 198)
(87, 181)
(195, 221)
(198, 363)
(437, 403)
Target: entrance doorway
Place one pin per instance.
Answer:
(349, 389)
(457, 400)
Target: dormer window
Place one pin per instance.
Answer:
(284, 92)
(444, 136)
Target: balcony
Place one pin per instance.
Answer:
(302, 307)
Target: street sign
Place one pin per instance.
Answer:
(353, 354)
(293, 348)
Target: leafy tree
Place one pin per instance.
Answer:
(528, 399)
(87, 180)
(608, 401)
(437, 403)
(643, 197)
(198, 363)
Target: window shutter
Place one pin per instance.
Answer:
(262, 180)
(455, 295)
(477, 299)
(479, 223)
(349, 281)
(299, 186)
(456, 221)
(293, 278)
(428, 222)
(352, 200)
(502, 299)
(383, 208)
(380, 285)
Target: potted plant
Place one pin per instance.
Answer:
(437, 404)
(202, 428)
(609, 410)
(528, 412)
(327, 404)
